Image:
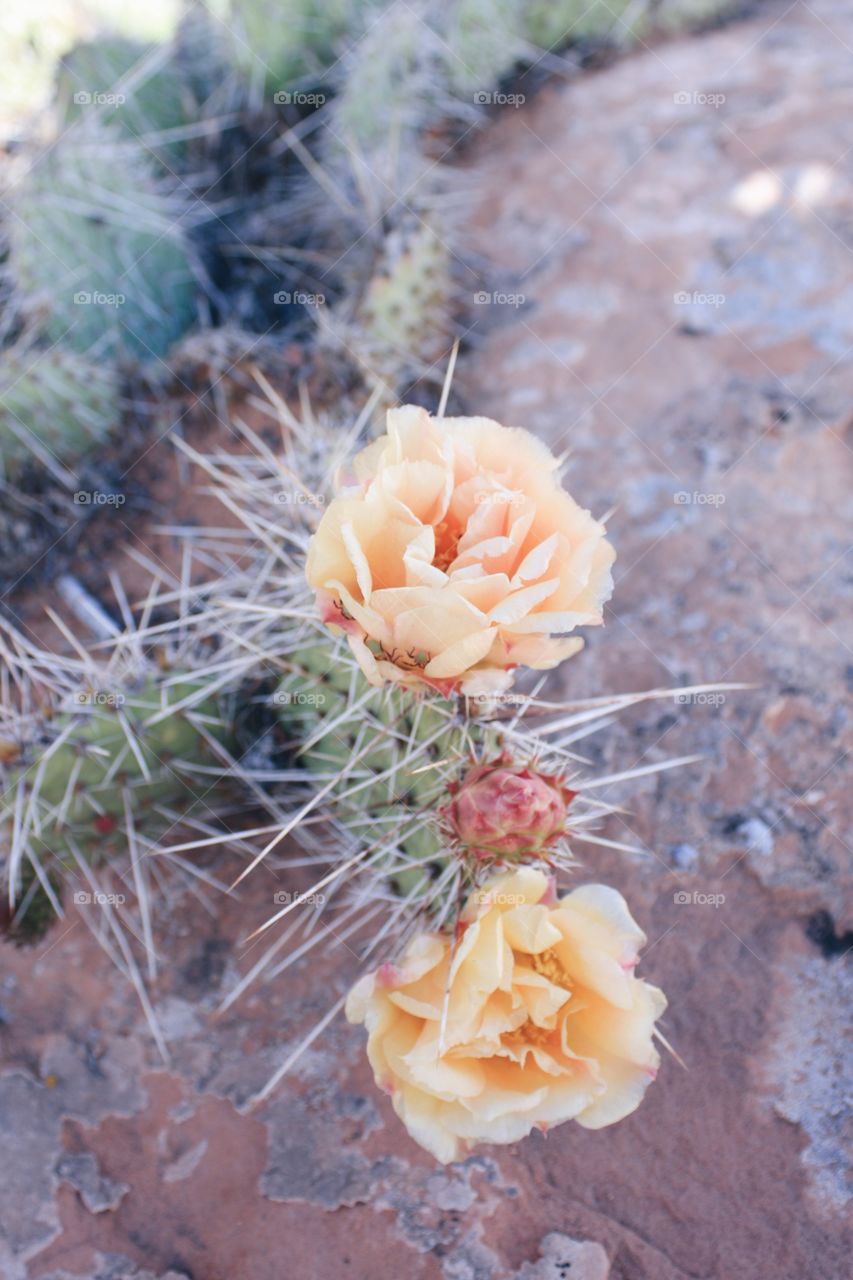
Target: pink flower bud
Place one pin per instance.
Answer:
(502, 810)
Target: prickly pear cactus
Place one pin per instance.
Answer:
(73, 776)
(386, 86)
(392, 754)
(119, 277)
(132, 86)
(552, 24)
(484, 42)
(675, 15)
(278, 42)
(403, 324)
(53, 400)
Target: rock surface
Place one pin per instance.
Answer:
(679, 225)
(563, 1257)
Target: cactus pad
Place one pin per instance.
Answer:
(53, 400)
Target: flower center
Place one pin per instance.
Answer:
(410, 660)
(548, 964)
(446, 545)
(528, 1033)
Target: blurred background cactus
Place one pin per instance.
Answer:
(282, 44)
(401, 329)
(553, 24)
(55, 406)
(485, 41)
(120, 278)
(133, 87)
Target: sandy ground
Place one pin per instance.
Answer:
(666, 250)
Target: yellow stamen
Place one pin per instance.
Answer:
(548, 964)
(527, 1034)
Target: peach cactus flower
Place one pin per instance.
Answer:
(456, 556)
(535, 1017)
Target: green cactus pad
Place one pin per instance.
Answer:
(29, 923)
(111, 746)
(393, 751)
(56, 400)
(132, 86)
(552, 24)
(119, 277)
(404, 321)
(483, 43)
(280, 42)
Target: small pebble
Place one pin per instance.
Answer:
(684, 856)
(757, 836)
